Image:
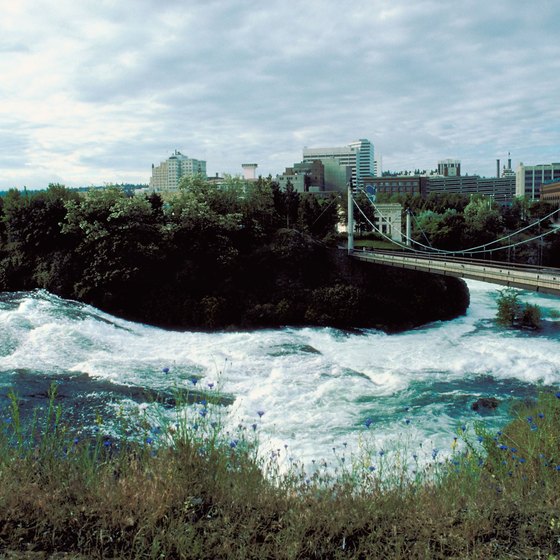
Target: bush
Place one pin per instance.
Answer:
(514, 313)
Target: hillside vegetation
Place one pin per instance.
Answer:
(240, 256)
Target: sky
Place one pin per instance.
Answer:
(96, 91)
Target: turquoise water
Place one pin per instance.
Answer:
(316, 386)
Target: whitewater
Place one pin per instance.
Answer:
(310, 391)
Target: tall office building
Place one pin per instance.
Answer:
(358, 156)
(168, 174)
(529, 178)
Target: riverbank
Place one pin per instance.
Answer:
(190, 490)
(210, 259)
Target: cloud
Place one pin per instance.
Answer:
(95, 92)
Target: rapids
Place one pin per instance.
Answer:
(316, 386)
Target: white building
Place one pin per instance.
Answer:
(529, 178)
(168, 174)
(358, 156)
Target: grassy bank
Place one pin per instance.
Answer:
(139, 488)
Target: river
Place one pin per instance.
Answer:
(314, 388)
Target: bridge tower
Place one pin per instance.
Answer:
(350, 225)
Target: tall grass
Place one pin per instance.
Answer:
(185, 488)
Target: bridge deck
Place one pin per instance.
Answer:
(546, 280)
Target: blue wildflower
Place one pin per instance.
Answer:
(107, 443)
(194, 380)
(534, 427)
(407, 421)
(522, 460)
(260, 413)
(530, 419)
(368, 422)
(435, 453)
(464, 428)
(210, 385)
(233, 443)
(558, 395)
(203, 412)
(381, 453)
(513, 450)
(480, 439)
(254, 426)
(76, 441)
(371, 468)
(540, 415)
(558, 467)
(203, 402)
(149, 440)
(165, 370)
(503, 447)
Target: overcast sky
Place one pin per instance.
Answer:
(94, 92)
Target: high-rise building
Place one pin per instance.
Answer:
(358, 156)
(529, 178)
(168, 174)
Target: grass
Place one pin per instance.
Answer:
(188, 489)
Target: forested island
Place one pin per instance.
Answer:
(239, 256)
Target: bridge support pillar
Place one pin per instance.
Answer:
(350, 225)
(408, 227)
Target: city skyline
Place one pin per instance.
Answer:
(97, 92)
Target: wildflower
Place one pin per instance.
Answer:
(534, 427)
(480, 439)
(149, 440)
(203, 412)
(407, 421)
(260, 413)
(254, 426)
(381, 452)
(233, 443)
(558, 395)
(368, 422)
(195, 426)
(530, 419)
(107, 443)
(434, 453)
(210, 385)
(165, 370)
(415, 457)
(371, 468)
(558, 467)
(464, 428)
(522, 460)
(541, 415)
(203, 402)
(76, 441)
(503, 447)
(513, 450)
(194, 380)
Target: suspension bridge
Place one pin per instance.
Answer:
(417, 256)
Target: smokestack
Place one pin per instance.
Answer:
(497, 168)
(509, 161)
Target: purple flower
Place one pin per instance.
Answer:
(407, 421)
(558, 395)
(210, 385)
(194, 380)
(165, 370)
(435, 453)
(541, 415)
(254, 426)
(260, 413)
(149, 440)
(503, 447)
(233, 443)
(368, 422)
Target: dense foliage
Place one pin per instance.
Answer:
(455, 222)
(241, 255)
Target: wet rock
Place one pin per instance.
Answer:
(485, 403)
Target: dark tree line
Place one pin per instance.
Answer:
(243, 254)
